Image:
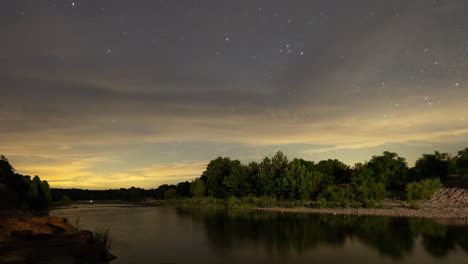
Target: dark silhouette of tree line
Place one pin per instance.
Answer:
(331, 180)
(20, 191)
(275, 177)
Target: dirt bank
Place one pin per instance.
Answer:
(448, 205)
(48, 240)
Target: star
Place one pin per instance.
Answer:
(73, 4)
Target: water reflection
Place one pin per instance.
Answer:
(282, 234)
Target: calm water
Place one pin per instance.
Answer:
(167, 235)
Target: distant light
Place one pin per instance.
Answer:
(73, 3)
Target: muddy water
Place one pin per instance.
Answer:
(169, 235)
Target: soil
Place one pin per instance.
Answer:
(48, 240)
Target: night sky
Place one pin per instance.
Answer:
(119, 93)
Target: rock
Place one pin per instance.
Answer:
(49, 239)
(13, 258)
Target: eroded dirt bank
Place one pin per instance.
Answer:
(48, 240)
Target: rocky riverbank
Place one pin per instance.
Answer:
(448, 205)
(48, 240)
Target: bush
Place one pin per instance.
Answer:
(414, 205)
(370, 193)
(422, 190)
(335, 193)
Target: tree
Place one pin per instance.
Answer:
(183, 189)
(44, 197)
(431, 166)
(271, 172)
(135, 194)
(197, 188)
(237, 183)
(214, 176)
(461, 162)
(340, 172)
(389, 169)
(290, 184)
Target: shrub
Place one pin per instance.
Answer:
(422, 190)
(369, 193)
(414, 205)
(335, 193)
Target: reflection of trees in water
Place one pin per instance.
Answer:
(286, 234)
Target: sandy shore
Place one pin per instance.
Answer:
(428, 212)
(74, 206)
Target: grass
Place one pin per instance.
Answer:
(76, 224)
(102, 237)
(235, 203)
(414, 205)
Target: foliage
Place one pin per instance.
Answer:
(422, 190)
(273, 181)
(197, 188)
(19, 191)
(461, 162)
(390, 169)
(183, 189)
(170, 194)
(414, 205)
(437, 165)
(271, 172)
(335, 169)
(336, 193)
(214, 177)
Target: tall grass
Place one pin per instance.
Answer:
(76, 224)
(102, 237)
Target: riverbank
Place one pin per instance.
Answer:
(448, 205)
(49, 240)
(446, 214)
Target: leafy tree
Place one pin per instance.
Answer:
(461, 162)
(238, 181)
(437, 165)
(294, 178)
(44, 197)
(389, 169)
(271, 172)
(216, 173)
(135, 194)
(197, 188)
(183, 189)
(340, 172)
(254, 180)
(334, 193)
(170, 194)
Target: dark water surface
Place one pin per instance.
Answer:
(169, 235)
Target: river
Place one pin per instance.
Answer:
(169, 235)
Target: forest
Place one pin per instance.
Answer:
(276, 177)
(21, 192)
